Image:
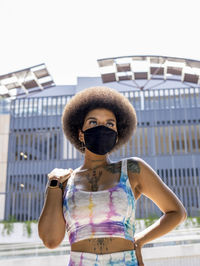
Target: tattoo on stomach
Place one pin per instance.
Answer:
(100, 245)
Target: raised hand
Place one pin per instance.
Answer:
(60, 174)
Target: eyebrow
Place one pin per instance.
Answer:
(110, 119)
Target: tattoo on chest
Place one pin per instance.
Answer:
(94, 179)
(132, 165)
(113, 168)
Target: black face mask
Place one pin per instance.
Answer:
(100, 139)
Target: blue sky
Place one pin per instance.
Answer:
(69, 36)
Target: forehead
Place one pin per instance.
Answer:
(100, 112)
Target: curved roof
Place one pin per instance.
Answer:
(149, 67)
(25, 81)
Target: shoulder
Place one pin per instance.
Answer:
(139, 166)
(145, 176)
(133, 164)
(136, 165)
(113, 167)
(150, 184)
(139, 170)
(133, 171)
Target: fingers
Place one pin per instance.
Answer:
(138, 254)
(60, 174)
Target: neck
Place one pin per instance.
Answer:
(92, 160)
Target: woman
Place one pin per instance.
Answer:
(95, 203)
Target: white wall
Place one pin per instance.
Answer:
(4, 137)
(163, 256)
(32, 252)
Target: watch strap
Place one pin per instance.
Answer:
(59, 185)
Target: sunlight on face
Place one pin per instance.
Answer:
(99, 117)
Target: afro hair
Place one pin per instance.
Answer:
(91, 98)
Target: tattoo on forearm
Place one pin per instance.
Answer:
(133, 166)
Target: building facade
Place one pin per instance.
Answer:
(167, 137)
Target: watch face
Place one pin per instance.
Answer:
(54, 183)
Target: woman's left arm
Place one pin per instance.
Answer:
(151, 185)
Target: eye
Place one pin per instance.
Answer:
(110, 124)
(92, 122)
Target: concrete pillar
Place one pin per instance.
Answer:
(4, 138)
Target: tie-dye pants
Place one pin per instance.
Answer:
(118, 258)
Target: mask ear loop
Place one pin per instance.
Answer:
(82, 150)
(82, 147)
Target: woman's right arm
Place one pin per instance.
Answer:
(51, 225)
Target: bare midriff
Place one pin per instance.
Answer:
(103, 245)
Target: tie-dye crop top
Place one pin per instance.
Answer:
(95, 214)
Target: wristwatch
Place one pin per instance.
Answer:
(55, 184)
